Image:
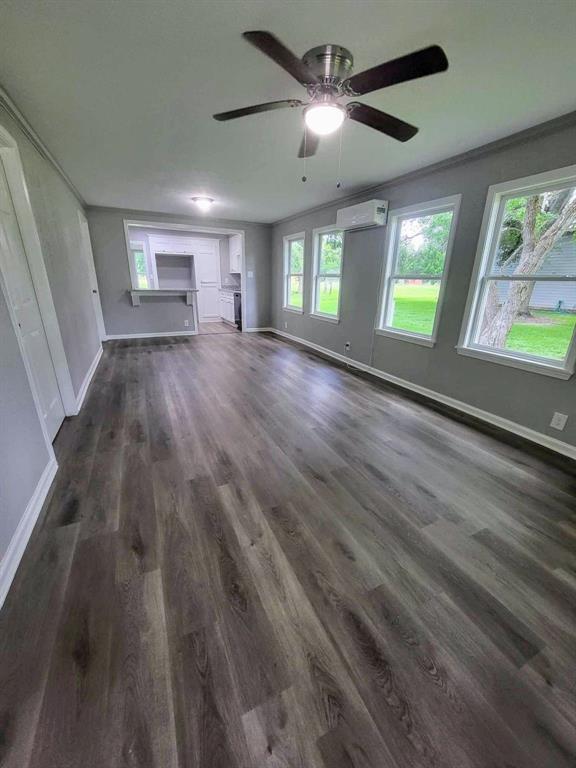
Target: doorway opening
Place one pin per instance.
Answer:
(202, 265)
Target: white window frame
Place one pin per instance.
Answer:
(316, 234)
(140, 245)
(389, 274)
(488, 240)
(288, 239)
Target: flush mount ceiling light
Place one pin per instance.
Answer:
(203, 203)
(325, 118)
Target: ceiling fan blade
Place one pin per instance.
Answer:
(309, 144)
(254, 110)
(277, 51)
(428, 61)
(381, 121)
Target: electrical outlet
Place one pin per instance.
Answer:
(559, 420)
(347, 347)
(285, 325)
(186, 323)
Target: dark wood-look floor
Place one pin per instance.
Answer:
(254, 558)
(208, 329)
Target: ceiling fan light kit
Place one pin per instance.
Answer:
(326, 73)
(324, 118)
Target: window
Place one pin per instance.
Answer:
(294, 272)
(418, 249)
(329, 245)
(143, 277)
(522, 308)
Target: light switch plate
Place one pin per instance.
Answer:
(559, 420)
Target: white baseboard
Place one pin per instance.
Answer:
(498, 421)
(164, 335)
(261, 330)
(11, 560)
(86, 382)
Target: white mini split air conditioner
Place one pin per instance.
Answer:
(372, 213)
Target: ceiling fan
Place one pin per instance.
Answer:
(326, 73)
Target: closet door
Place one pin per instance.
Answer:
(22, 296)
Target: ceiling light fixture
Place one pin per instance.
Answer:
(324, 118)
(203, 203)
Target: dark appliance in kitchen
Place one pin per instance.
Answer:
(238, 309)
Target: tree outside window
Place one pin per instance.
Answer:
(418, 248)
(328, 273)
(294, 273)
(528, 294)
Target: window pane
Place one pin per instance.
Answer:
(422, 244)
(535, 318)
(327, 293)
(296, 256)
(547, 222)
(296, 294)
(140, 262)
(140, 266)
(330, 261)
(413, 305)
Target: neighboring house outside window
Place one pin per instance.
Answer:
(418, 247)
(294, 272)
(328, 257)
(522, 308)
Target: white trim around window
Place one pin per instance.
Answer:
(316, 276)
(288, 274)
(498, 195)
(390, 272)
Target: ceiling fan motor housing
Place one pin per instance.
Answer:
(330, 63)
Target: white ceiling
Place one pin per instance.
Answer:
(122, 91)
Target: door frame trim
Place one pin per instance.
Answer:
(87, 245)
(10, 157)
(200, 229)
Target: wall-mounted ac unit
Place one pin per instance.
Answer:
(372, 213)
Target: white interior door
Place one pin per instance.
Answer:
(89, 260)
(24, 303)
(207, 273)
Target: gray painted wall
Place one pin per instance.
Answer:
(56, 213)
(23, 454)
(526, 398)
(162, 315)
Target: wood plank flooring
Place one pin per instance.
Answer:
(206, 329)
(252, 558)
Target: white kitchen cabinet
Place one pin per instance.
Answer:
(179, 245)
(235, 254)
(227, 307)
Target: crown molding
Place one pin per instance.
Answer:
(9, 106)
(365, 193)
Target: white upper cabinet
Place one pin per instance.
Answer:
(236, 254)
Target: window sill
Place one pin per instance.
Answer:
(327, 318)
(424, 341)
(532, 366)
(296, 310)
